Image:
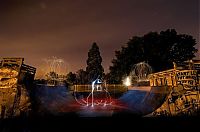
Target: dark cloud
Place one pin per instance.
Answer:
(37, 29)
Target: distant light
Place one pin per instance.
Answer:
(127, 82)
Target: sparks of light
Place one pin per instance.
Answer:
(127, 82)
(55, 64)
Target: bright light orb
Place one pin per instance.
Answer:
(127, 82)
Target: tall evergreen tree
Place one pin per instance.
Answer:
(94, 68)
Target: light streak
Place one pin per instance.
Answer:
(55, 64)
(96, 87)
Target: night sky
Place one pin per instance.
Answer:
(39, 29)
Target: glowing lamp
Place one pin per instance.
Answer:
(127, 82)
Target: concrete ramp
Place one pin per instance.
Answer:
(145, 100)
(179, 102)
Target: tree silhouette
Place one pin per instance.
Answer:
(94, 67)
(71, 78)
(81, 77)
(159, 50)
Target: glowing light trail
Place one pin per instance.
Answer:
(96, 87)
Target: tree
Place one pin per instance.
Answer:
(81, 77)
(159, 50)
(52, 75)
(94, 67)
(71, 78)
